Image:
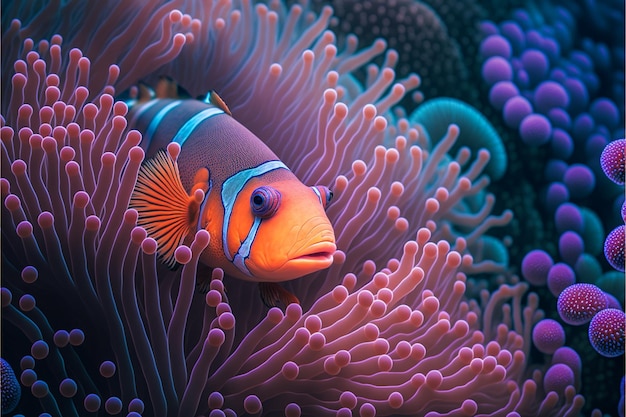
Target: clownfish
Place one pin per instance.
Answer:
(265, 225)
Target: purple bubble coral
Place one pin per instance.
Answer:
(614, 248)
(558, 377)
(578, 303)
(536, 64)
(515, 35)
(560, 276)
(548, 335)
(560, 118)
(10, 390)
(583, 126)
(496, 69)
(580, 180)
(605, 112)
(495, 45)
(568, 356)
(606, 332)
(561, 142)
(501, 92)
(535, 129)
(548, 95)
(571, 246)
(568, 217)
(515, 110)
(536, 266)
(613, 160)
(579, 96)
(556, 194)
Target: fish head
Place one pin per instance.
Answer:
(281, 230)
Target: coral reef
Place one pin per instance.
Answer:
(421, 311)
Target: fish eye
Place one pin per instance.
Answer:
(323, 194)
(265, 201)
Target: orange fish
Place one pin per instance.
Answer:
(265, 225)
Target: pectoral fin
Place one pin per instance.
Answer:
(166, 211)
(272, 293)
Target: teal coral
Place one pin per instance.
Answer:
(476, 131)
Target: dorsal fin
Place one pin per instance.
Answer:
(214, 99)
(166, 88)
(166, 211)
(145, 93)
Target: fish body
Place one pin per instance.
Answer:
(265, 225)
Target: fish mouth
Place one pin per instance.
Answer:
(311, 259)
(321, 252)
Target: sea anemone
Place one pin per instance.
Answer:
(423, 37)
